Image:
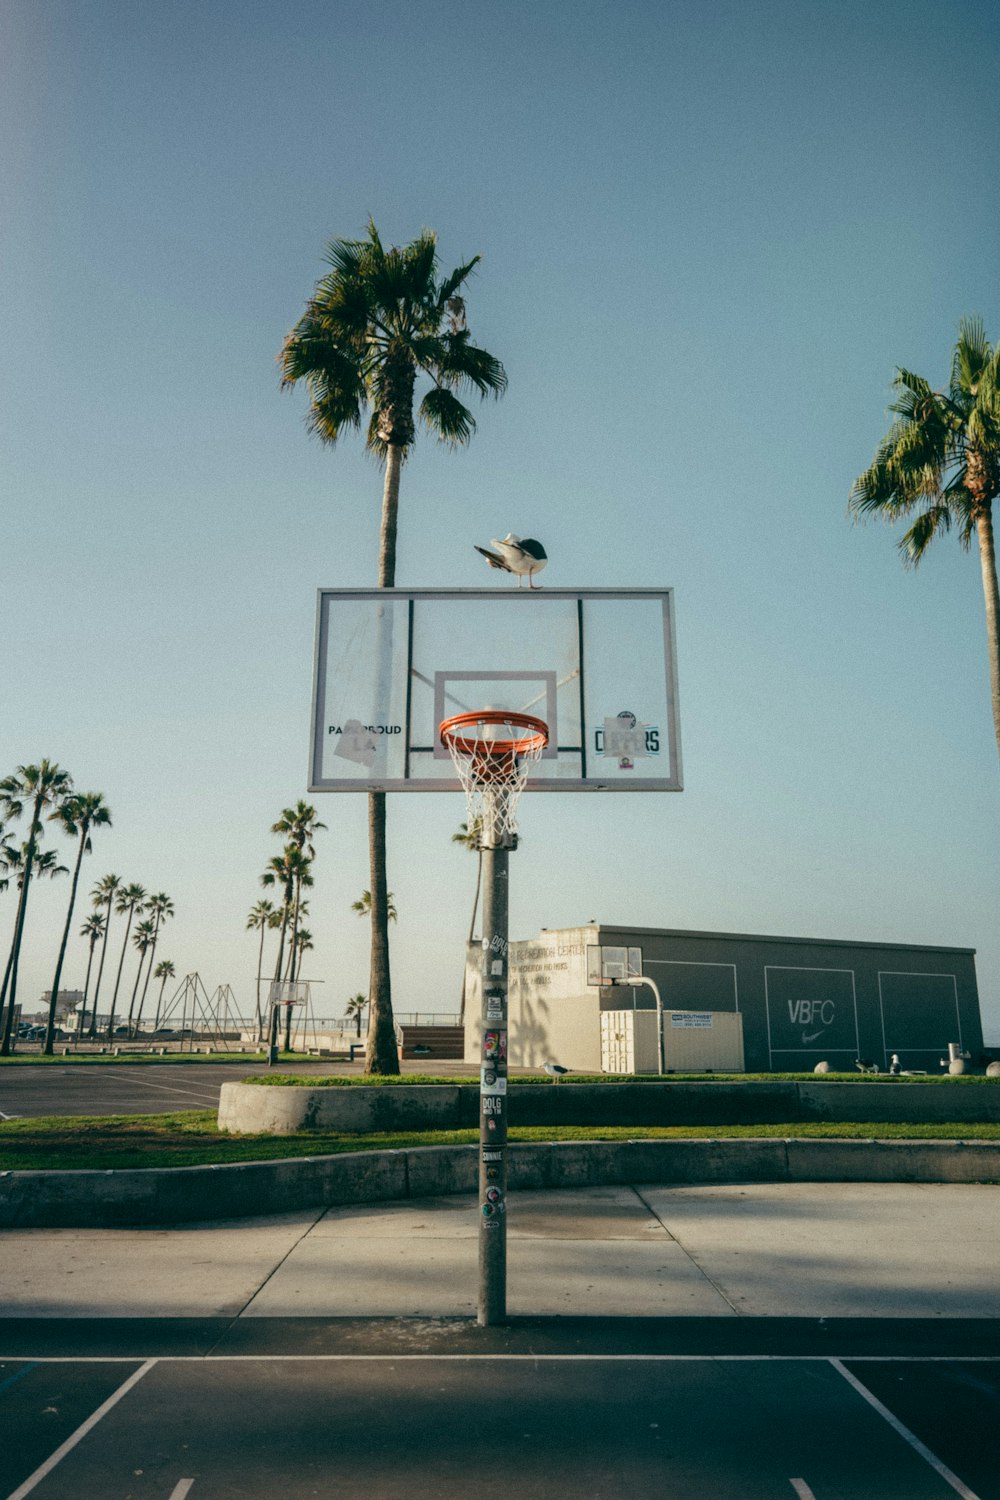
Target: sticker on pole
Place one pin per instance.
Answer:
(495, 1045)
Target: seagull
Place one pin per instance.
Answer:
(555, 1070)
(521, 555)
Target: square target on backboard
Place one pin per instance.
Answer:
(597, 665)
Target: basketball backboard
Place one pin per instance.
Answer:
(598, 665)
(607, 964)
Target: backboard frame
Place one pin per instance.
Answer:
(612, 963)
(670, 777)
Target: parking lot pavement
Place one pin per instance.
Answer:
(123, 1088)
(115, 1088)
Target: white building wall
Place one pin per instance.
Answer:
(554, 1016)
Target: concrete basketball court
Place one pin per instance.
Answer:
(834, 1341)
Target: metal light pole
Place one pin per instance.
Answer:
(493, 1094)
(492, 750)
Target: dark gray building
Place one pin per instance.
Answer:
(810, 1000)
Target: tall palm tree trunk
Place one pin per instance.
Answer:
(286, 906)
(988, 563)
(86, 987)
(135, 991)
(381, 1055)
(15, 952)
(100, 971)
(260, 970)
(290, 971)
(50, 1024)
(390, 514)
(118, 977)
(159, 1002)
(8, 1014)
(149, 967)
(272, 1019)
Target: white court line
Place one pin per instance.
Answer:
(802, 1489)
(167, 1089)
(180, 1489)
(906, 1434)
(81, 1432)
(539, 1358)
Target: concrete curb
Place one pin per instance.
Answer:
(179, 1195)
(250, 1109)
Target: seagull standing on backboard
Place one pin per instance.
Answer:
(521, 555)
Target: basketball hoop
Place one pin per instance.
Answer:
(493, 751)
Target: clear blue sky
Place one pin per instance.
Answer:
(710, 231)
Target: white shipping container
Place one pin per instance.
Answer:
(693, 1041)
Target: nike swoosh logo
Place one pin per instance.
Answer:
(811, 1038)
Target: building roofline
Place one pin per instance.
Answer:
(754, 937)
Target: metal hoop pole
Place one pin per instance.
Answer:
(493, 1094)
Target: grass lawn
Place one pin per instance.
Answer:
(192, 1138)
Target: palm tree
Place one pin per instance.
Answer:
(142, 938)
(7, 852)
(164, 970)
(38, 787)
(45, 864)
(162, 908)
(363, 905)
(941, 459)
(78, 814)
(10, 858)
(355, 1007)
(301, 942)
(376, 323)
(290, 870)
(128, 899)
(92, 930)
(103, 894)
(259, 919)
(304, 944)
(470, 837)
(300, 823)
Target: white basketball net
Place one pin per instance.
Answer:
(492, 782)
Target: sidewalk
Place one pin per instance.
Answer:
(823, 1250)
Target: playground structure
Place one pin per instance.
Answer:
(194, 1014)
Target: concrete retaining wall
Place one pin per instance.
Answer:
(176, 1195)
(249, 1109)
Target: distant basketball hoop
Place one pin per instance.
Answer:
(493, 751)
(285, 992)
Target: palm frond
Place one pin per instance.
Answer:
(446, 416)
(451, 283)
(462, 363)
(971, 354)
(347, 256)
(914, 544)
